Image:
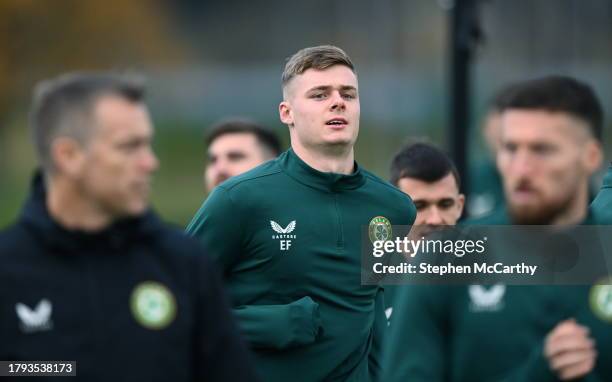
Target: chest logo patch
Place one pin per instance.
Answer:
(484, 299)
(37, 319)
(601, 300)
(379, 229)
(283, 235)
(153, 305)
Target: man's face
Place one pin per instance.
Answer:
(544, 163)
(230, 155)
(117, 162)
(438, 203)
(321, 108)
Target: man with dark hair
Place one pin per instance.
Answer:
(89, 274)
(288, 233)
(550, 147)
(431, 179)
(236, 146)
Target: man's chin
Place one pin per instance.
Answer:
(530, 214)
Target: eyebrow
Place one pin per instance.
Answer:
(327, 87)
(231, 153)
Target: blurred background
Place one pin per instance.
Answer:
(209, 59)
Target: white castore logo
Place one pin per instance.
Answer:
(37, 319)
(484, 299)
(283, 234)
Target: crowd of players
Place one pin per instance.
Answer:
(90, 274)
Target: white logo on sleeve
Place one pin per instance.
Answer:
(484, 299)
(283, 234)
(37, 319)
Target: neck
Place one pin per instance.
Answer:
(338, 159)
(72, 209)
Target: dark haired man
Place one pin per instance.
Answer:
(89, 274)
(431, 179)
(236, 146)
(550, 146)
(288, 233)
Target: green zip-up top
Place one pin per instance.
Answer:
(288, 239)
(442, 333)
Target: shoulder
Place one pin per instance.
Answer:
(177, 247)
(175, 242)
(15, 239)
(386, 189)
(255, 176)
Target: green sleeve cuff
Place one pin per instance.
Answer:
(280, 326)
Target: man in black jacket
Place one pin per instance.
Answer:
(88, 273)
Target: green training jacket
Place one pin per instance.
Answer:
(288, 239)
(490, 333)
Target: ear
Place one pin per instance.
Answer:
(460, 205)
(593, 156)
(285, 113)
(67, 156)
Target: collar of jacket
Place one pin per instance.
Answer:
(115, 238)
(607, 180)
(296, 168)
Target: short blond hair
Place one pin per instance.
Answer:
(315, 57)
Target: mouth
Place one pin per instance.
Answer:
(143, 187)
(337, 123)
(524, 193)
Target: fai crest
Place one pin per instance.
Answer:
(379, 229)
(601, 300)
(153, 305)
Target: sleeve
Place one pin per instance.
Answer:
(379, 332)
(217, 225)
(280, 326)
(416, 347)
(220, 353)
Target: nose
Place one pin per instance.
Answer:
(522, 163)
(434, 216)
(337, 101)
(150, 162)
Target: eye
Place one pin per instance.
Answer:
(510, 147)
(318, 95)
(446, 203)
(130, 146)
(348, 96)
(543, 149)
(420, 205)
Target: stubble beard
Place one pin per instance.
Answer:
(544, 213)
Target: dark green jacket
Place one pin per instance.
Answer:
(495, 333)
(288, 238)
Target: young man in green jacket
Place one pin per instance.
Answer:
(551, 129)
(288, 234)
